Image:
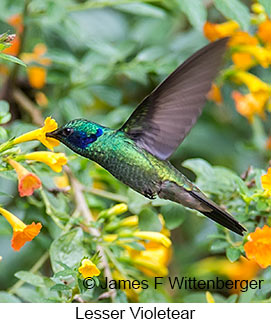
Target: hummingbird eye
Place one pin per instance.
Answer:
(67, 132)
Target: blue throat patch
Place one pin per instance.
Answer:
(82, 140)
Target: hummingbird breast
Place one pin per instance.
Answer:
(130, 164)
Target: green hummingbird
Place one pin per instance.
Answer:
(137, 153)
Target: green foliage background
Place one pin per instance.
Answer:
(106, 56)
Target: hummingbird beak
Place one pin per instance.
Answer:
(52, 134)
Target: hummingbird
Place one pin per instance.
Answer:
(137, 154)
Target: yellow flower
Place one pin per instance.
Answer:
(261, 54)
(217, 31)
(258, 247)
(251, 81)
(118, 209)
(153, 236)
(129, 221)
(62, 181)
(40, 134)
(266, 181)
(27, 181)
(153, 260)
(21, 232)
(88, 269)
(53, 160)
(209, 297)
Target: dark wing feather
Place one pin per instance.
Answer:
(162, 120)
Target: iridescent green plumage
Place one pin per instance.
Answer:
(137, 153)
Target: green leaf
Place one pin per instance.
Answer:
(149, 221)
(30, 278)
(233, 254)
(195, 12)
(12, 59)
(67, 249)
(267, 6)
(4, 108)
(174, 215)
(142, 9)
(3, 134)
(60, 288)
(235, 10)
(8, 298)
(219, 245)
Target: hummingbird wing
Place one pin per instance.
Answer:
(161, 121)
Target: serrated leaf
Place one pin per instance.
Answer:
(233, 254)
(195, 12)
(235, 10)
(12, 59)
(30, 278)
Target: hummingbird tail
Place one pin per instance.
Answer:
(195, 199)
(218, 215)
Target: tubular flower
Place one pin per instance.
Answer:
(40, 134)
(258, 247)
(243, 38)
(27, 181)
(261, 54)
(36, 71)
(250, 104)
(214, 94)
(53, 160)
(153, 236)
(88, 269)
(217, 31)
(21, 232)
(153, 260)
(266, 182)
(253, 83)
(243, 61)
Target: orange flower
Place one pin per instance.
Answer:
(217, 31)
(36, 76)
(258, 247)
(17, 22)
(242, 38)
(266, 181)
(28, 182)
(41, 99)
(249, 104)
(21, 232)
(214, 94)
(264, 31)
(36, 71)
(243, 61)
